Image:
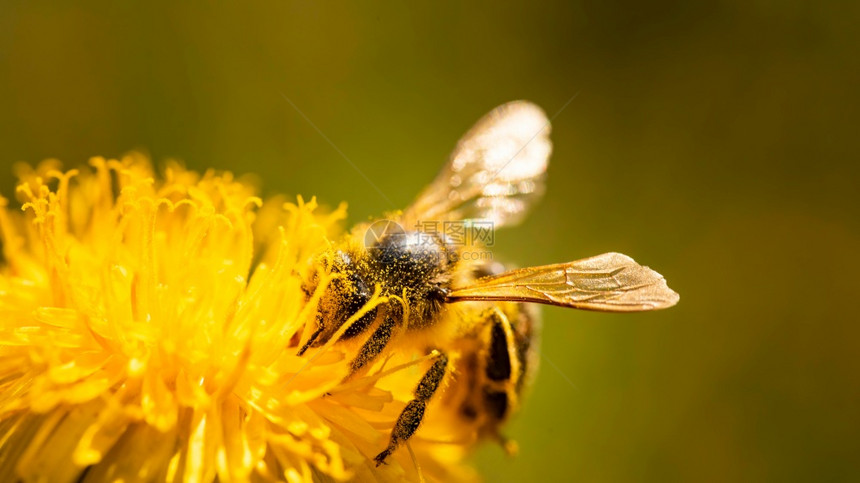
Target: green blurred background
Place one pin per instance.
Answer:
(715, 142)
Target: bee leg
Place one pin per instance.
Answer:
(311, 340)
(411, 416)
(379, 339)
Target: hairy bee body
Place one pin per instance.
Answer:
(471, 317)
(415, 267)
(494, 344)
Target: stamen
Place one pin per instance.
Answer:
(368, 380)
(415, 462)
(374, 301)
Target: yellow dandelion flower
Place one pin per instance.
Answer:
(148, 328)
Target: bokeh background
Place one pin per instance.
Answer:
(713, 141)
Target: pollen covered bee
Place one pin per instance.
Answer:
(472, 314)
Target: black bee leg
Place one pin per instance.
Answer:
(379, 339)
(411, 416)
(311, 340)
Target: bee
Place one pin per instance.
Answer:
(469, 305)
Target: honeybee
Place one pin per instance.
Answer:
(469, 305)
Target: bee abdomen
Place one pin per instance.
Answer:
(496, 403)
(495, 374)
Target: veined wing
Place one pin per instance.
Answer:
(611, 282)
(495, 173)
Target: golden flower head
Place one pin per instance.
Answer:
(148, 328)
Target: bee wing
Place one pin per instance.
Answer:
(495, 173)
(611, 282)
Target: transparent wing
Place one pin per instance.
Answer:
(611, 282)
(495, 173)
